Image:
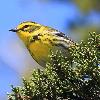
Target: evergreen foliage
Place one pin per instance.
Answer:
(62, 79)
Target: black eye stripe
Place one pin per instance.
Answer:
(29, 28)
(26, 26)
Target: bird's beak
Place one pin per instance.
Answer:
(13, 30)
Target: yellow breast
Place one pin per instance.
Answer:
(40, 52)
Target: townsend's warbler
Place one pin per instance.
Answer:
(40, 40)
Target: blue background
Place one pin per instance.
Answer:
(15, 60)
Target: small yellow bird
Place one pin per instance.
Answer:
(40, 39)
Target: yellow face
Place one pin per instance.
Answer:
(25, 29)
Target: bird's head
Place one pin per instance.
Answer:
(25, 29)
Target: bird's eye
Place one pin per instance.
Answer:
(26, 26)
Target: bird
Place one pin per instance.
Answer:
(40, 40)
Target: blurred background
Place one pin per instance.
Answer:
(76, 18)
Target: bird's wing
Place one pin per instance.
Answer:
(56, 32)
(61, 35)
